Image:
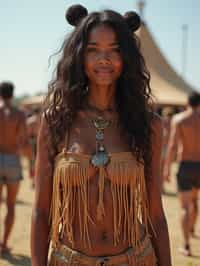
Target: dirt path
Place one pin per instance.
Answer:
(20, 237)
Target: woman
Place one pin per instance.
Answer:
(96, 173)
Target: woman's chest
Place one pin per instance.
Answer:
(86, 139)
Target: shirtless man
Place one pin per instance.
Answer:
(184, 136)
(13, 143)
(167, 113)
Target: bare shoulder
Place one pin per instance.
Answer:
(14, 111)
(44, 126)
(32, 120)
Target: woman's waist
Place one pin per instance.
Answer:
(128, 256)
(193, 156)
(99, 248)
(101, 241)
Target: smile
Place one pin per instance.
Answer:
(104, 71)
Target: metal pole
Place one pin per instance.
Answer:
(184, 49)
(141, 6)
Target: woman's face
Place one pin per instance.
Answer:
(103, 61)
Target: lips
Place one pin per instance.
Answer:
(103, 70)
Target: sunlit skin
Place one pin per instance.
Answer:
(103, 66)
(13, 141)
(185, 129)
(9, 120)
(184, 137)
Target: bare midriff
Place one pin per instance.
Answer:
(101, 232)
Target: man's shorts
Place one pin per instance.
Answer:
(188, 175)
(10, 168)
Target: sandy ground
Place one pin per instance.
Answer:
(19, 241)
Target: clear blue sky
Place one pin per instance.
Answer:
(30, 31)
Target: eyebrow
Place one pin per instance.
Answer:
(111, 44)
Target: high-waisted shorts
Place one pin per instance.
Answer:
(10, 168)
(188, 175)
(143, 256)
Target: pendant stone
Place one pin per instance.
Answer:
(100, 158)
(99, 135)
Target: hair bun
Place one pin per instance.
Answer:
(133, 20)
(75, 14)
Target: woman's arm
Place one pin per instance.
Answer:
(160, 238)
(41, 208)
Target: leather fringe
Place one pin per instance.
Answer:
(128, 193)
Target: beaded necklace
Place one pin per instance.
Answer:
(100, 157)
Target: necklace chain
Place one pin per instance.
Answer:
(100, 158)
(97, 110)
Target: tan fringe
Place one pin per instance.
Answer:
(70, 184)
(100, 206)
(129, 196)
(129, 199)
(149, 260)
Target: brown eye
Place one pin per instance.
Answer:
(91, 49)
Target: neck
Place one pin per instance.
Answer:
(101, 97)
(196, 109)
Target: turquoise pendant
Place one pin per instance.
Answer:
(100, 158)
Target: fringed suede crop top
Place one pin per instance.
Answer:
(128, 195)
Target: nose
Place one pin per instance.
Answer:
(103, 57)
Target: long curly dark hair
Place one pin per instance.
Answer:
(133, 94)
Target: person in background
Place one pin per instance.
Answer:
(166, 114)
(13, 143)
(32, 122)
(184, 137)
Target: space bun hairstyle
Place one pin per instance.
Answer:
(75, 14)
(133, 20)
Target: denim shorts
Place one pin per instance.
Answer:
(10, 168)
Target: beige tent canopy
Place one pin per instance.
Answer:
(167, 86)
(32, 102)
